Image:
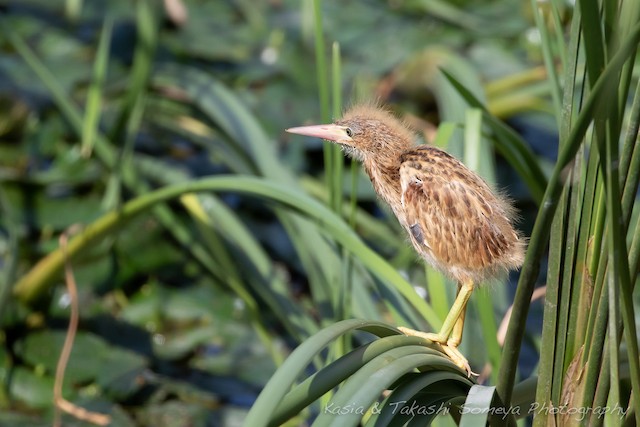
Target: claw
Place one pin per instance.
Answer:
(457, 358)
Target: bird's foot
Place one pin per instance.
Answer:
(448, 347)
(458, 358)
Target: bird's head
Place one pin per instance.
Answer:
(365, 132)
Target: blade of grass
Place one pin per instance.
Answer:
(130, 114)
(9, 261)
(437, 287)
(547, 54)
(583, 283)
(343, 292)
(365, 302)
(593, 38)
(94, 96)
(559, 278)
(321, 64)
(557, 8)
(337, 155)
(323, 87)
(146, 24)
(613, 347)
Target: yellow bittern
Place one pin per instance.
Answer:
(453, 218)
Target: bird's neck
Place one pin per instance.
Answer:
(385, 177)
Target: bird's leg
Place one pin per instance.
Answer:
(450, 334)
(456, 334)
(454, 322)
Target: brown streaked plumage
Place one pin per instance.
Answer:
(453, 218)
(465, 228)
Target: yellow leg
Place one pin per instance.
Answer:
(456, 334)
(450, 334)
(454, 322)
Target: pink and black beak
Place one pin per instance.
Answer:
(330, 132)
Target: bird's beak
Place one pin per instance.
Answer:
(330, 132)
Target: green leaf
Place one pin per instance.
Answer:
(422, 396)
(478, 406)
(280, 383)
(33, 390)
(43, 349)
(336, 372)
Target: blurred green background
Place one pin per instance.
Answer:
(187, 309)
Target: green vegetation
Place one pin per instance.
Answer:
(216, 257)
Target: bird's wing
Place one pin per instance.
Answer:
(451, 211)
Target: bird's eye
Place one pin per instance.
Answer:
(349, 132)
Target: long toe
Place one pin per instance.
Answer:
(449, 348)
(429, 336)
(457, 358)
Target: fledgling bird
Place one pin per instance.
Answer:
(453, 218)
